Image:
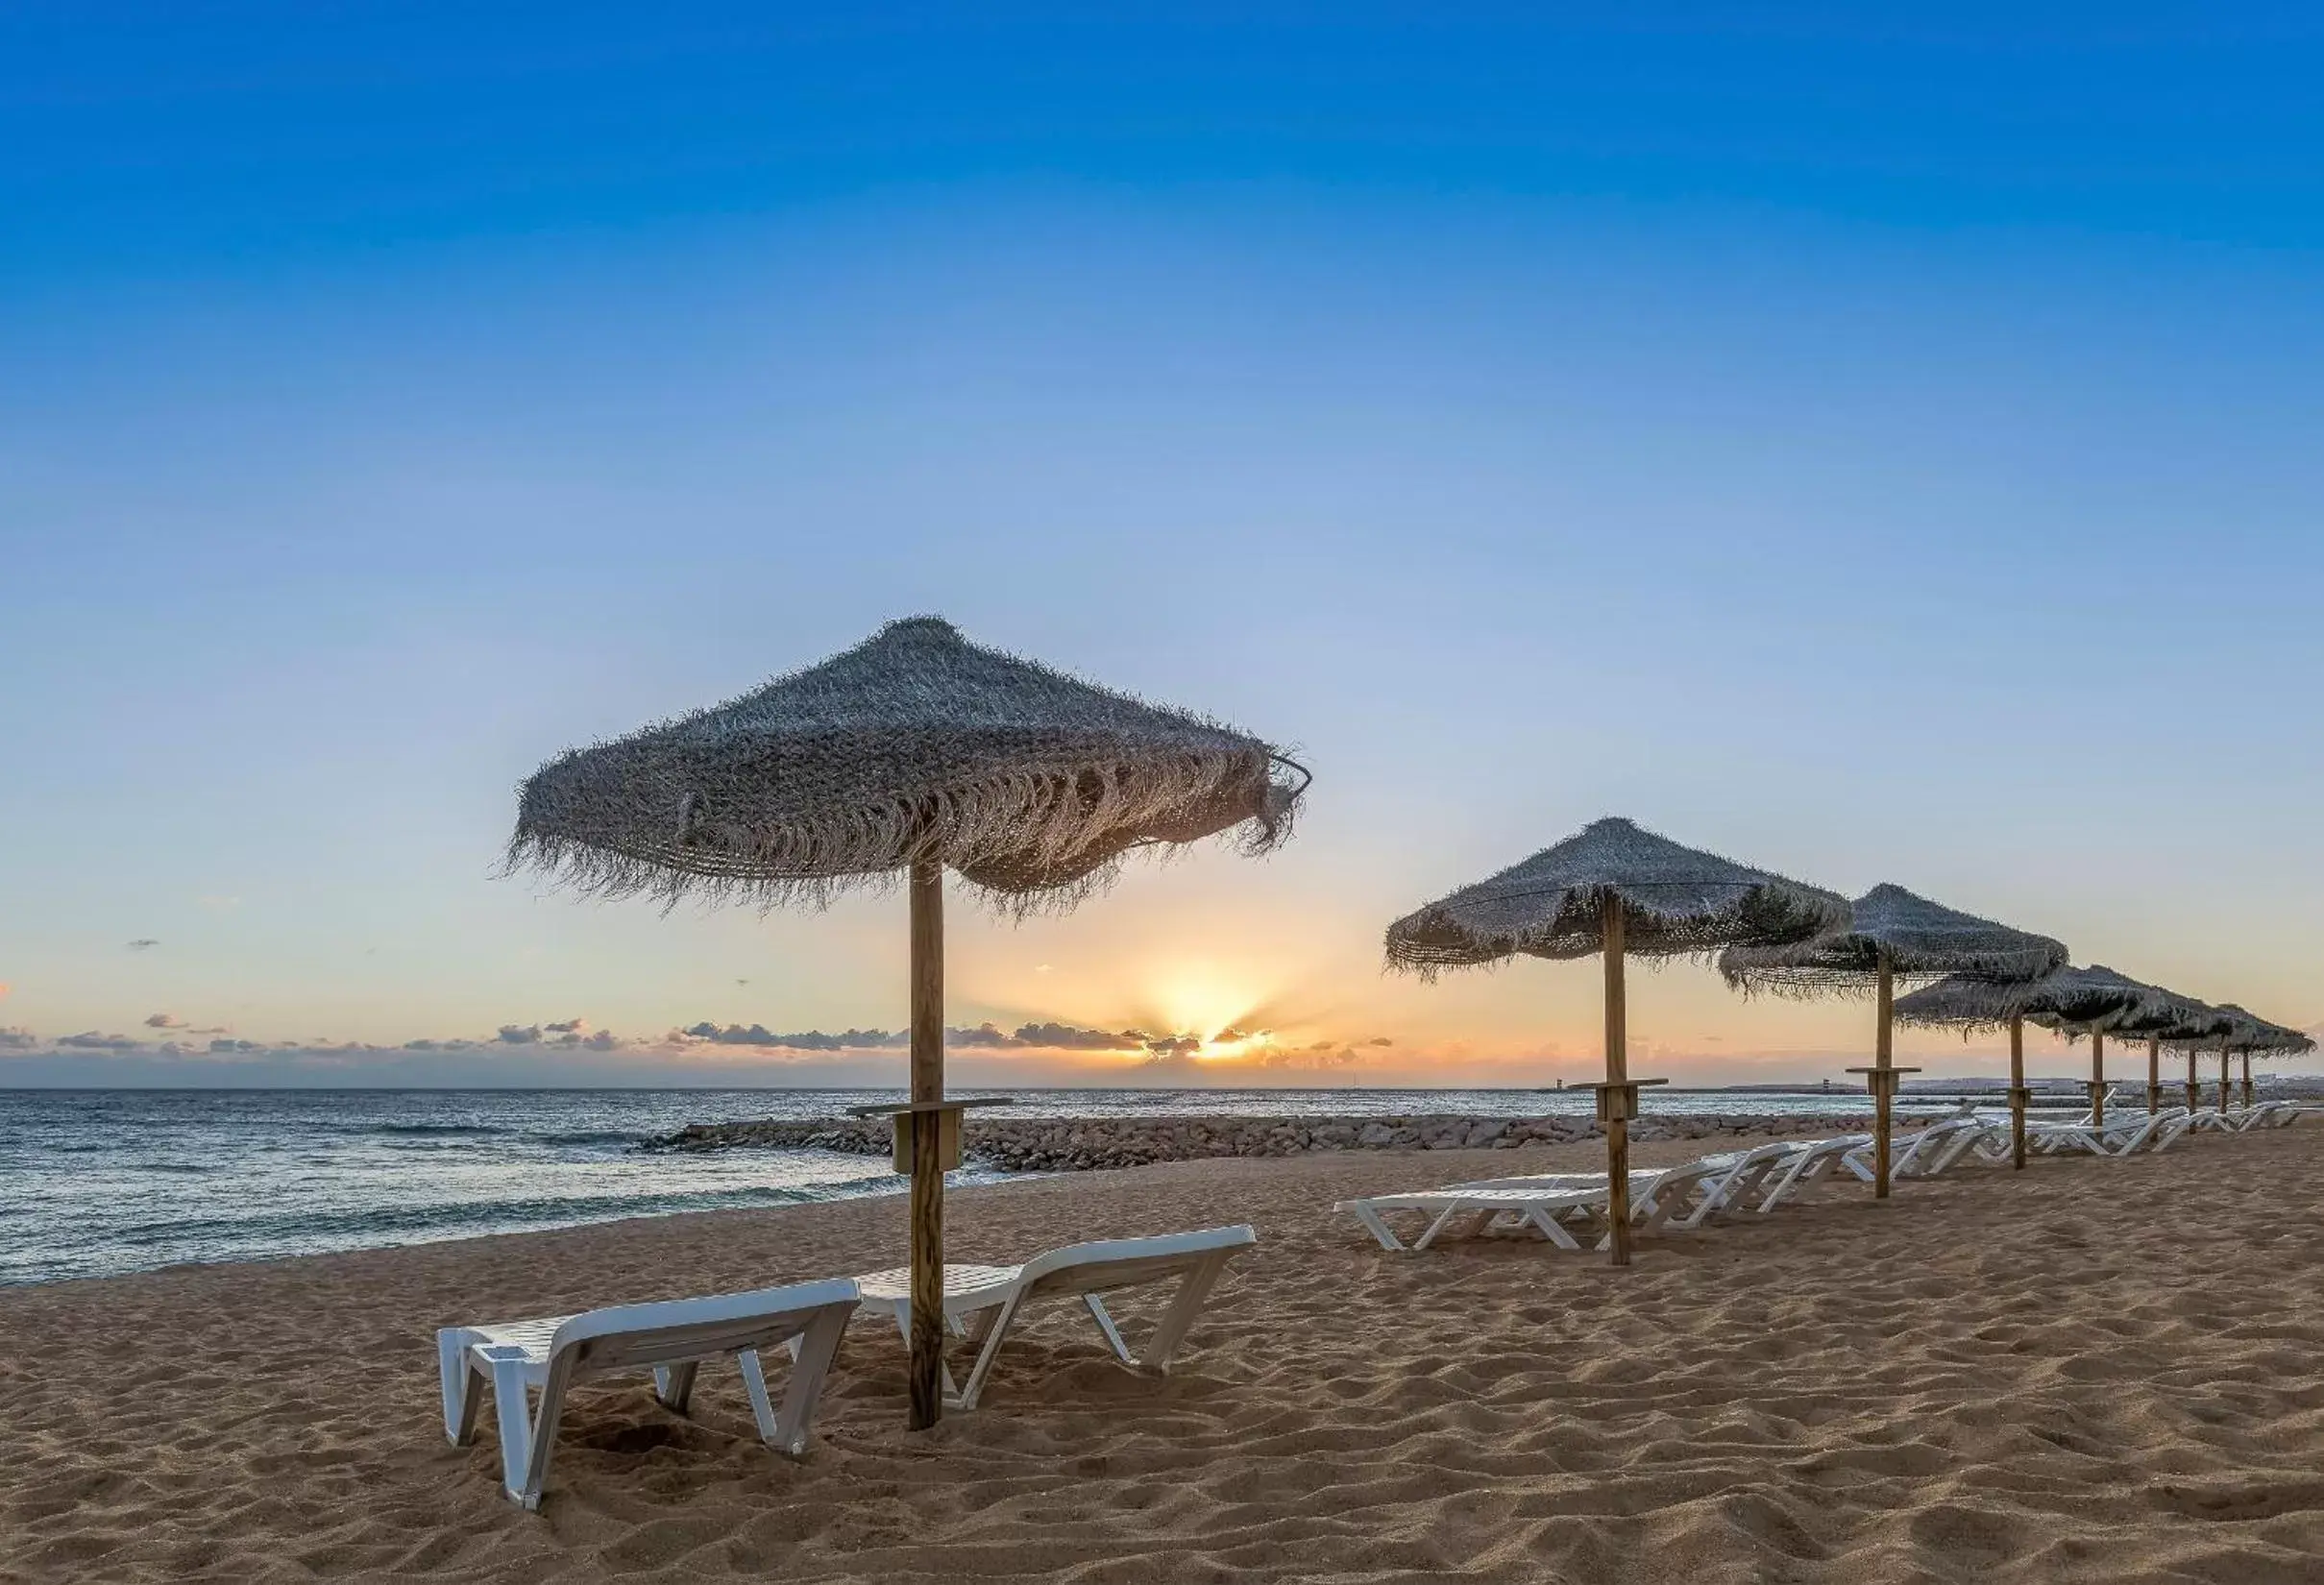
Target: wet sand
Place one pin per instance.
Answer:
(2090, 1370)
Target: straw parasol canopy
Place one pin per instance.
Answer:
(2095, 1001)
(1917, 939)
(2234, 1029)
(1675, 902)
(1897, 934)
(914, 752)
(1614, 889)
(2071, 1000)
(917, 745)
(2253, 1035)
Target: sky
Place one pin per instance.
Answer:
(1873, 448)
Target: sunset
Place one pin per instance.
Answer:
(1253, 794)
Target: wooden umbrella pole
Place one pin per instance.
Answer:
(2097, 1077)
(2247, 1091)
(1883, 1058)
(925, 1375)
(1617, 1071)
(2154, 1077)
(2016, 1091)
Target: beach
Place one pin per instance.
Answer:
(2094, 1370)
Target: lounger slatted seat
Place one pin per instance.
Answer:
(1928, 1153)
(1544, 1206)
(529, 1364)
(1806, 1162)
(983, 1303)
(2119, 1136)
(1554, 1205)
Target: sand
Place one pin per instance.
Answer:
(2091, 1371)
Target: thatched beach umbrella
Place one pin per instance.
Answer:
(2250, 1036)
(914, 752)
(2185, 1022)
(2104, 1003)
(2200, 1026)
(1968, 1006)
(1614, 890)
(2079, 998)
(1897, 934)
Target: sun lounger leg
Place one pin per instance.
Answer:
(1184, 1305)
(1105, 1324)
(673, 1385)
(975, 1387)
(903, 1324)
(810, 1369)
(514, 1417)
(460, 1383)
(1377, 1228)
(1550, 1228)
(544, 1417)
(1783, 1183)
(1437, 1227)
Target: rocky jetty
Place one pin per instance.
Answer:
(1081, 1144)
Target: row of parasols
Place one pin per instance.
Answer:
(922, 755)
(1618, 891)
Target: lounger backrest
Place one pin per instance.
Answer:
(678, 1330)
(1110, 1263)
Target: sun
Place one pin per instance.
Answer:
(1215, 1009)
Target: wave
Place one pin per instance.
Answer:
(474, 1130)
(351, 1227)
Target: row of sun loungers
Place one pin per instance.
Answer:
(1565, 1208)
(529, 1364)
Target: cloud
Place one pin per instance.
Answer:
(16, 1039)
(163, 1020)
(1321, 1057)
(143, 943)
(519, 1035)
(91, 1040)
(810, 1040)
(569, 1026)
(1056, 1036)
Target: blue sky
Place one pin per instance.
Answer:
(1877, 454)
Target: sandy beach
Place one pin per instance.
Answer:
(2091, 1371)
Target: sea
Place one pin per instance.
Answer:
(99, 1183)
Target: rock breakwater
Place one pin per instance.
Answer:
(1081, 1145)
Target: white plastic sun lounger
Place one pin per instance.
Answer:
(983, 1302)
(1550, 1203)
(526, 1360)
(1927, 1153)
(1806, 1162)
(2133, 1133)
(1740, 1174)
(1543, 1206)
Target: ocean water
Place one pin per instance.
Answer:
(96, 1182)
